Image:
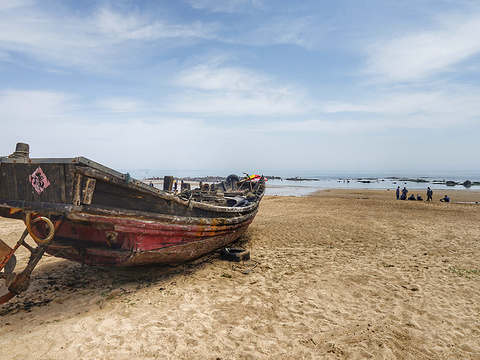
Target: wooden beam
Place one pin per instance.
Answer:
(88, 191)
(77, 189)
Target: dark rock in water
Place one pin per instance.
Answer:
(417, 180)
(450, 183)
(467, 183)
(300, 179)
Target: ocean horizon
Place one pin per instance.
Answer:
(284, 183)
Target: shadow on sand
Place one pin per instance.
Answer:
(62, 280)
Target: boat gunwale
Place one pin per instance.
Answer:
(75, 212)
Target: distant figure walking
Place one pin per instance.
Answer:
(445, 199)
(404, 194)
(398, 193)
(429, 194)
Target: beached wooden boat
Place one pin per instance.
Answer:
(77, 209)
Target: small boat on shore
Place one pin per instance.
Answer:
(80, 210)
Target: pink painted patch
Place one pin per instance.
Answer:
(38, 180)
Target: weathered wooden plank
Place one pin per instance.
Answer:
(123, 181)
(14, 183)
(100, 175)
(77, 191)
(13, 186)
(56, 180)
(88, 190)
(63, 185)
(59, 186)
(116, 196)
(69, 182)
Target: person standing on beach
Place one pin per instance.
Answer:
(429, 194)
(398, 193)
(404, 193)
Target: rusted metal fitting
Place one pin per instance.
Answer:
(20, 284)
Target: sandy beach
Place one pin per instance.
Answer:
(342, 274)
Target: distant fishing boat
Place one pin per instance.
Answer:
(77, 209)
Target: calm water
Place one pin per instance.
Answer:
(315, 182)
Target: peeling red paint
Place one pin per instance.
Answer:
(89, 241)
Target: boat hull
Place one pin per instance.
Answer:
(120, 241)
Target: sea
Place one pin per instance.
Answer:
(305, 183)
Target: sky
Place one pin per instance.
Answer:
(256, 86)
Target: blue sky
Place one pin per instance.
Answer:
(244, 85)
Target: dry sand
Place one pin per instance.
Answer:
(339, 275)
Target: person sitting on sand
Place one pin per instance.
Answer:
(412, 197)
(404, 194)
(419, 198)
(445, 199)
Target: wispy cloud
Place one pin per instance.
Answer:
(215, 77)
(305, 31)
(6, 5)
(215, 89)
(120, 104)
(131, 26)
(227, 6)
(416, 56)
(389, 103)
(275, 27)
(442, 107)
(32, 107)
(319, 126)
(86, 41)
